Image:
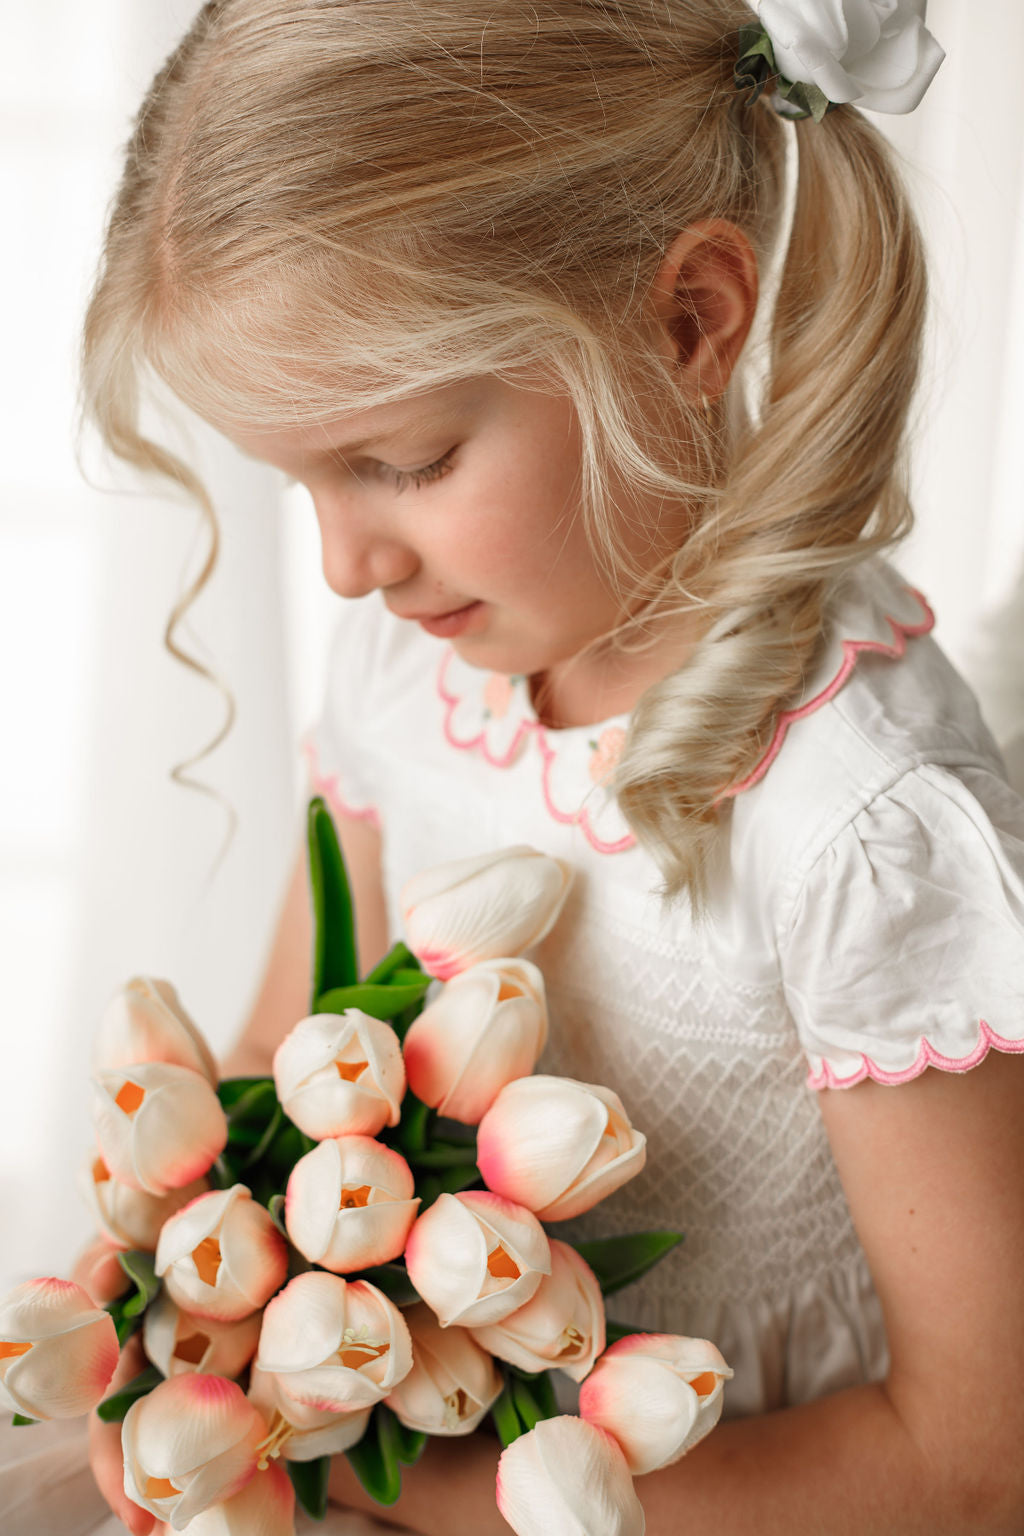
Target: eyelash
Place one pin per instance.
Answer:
(401, 479)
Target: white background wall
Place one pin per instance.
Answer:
(104, 864)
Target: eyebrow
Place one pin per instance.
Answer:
(446, 419)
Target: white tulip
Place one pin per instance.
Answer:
(350, 1204)
(557, 1146)
(130, 1217)
(658, 1394)
(177, 1341)
(453, 1381)
(340, 1074)
(326, 1433)
(334, 1346)
(191, 1442)
(57, 1350)
(482, 908)
(878, 53)
(222, 1257)
(144, 1022)
(475, 1257)
(488, 1026)
(265, 1507)
(159, 1126)
(570, 1477)
(562, 1325)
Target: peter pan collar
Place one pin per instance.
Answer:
(492, 714)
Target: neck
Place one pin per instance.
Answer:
(585, 690)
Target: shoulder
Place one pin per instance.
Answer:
(884, 705)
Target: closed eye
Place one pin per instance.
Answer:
(401, 479)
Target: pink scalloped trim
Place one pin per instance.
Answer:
(852, 649)
(327, 785)
(927, 1056)
(524, 730)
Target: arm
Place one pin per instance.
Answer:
(933, 1174)
(283, 996)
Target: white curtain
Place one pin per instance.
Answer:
(104, 864)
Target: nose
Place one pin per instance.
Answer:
(358, 558)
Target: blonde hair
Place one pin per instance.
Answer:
(329, 204)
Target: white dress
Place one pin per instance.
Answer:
(867, 921)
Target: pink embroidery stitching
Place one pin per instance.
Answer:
(852, 649)
(524, 730)
(927, 1056)
(327, 785)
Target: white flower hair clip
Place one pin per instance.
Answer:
(817, 54)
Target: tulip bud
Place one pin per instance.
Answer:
(57, 1351)
(130, 1217)
(222, 1257)
(453, 1382)
(570, 1477)
(159, 1127)
(561, 1325)
(340, 1075)
(658, 1394)
(350, 1204)
(333, 1346)
(488, 1026)
(482, 908)
(475, 1257)
(319, 1433)
(557, 1146)
(145, 1022)
(191, 1442)
(177, 1341)
(265, 1507)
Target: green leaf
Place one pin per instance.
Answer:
(19, 1420)
(113, 1409)
(613, 1332)
(526, 1405)
(393, 1280)
(381, 1002)
(442, 1154)
(139, 1267)
(398, 958)
(413, 1128)
(618, 1261)
(450, 1181)
(233, 1090)
(375, 1458)
(334, 937)
(275, 1205)
(310, 1479)
(506, 1418)
(410, 1442)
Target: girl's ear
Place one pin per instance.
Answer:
(703, 301)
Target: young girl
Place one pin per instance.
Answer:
(484, 281)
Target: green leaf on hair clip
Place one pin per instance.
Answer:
(755, 70)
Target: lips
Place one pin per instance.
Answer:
(444, 625)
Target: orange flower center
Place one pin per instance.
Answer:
(130, 1097)
(350, 1071)
(160, 1488)
(192, 1349)
(704, 1384)
(353, 1198)
(100, 1171)
(207, 1259)
(502, 1265)
(8, 1350)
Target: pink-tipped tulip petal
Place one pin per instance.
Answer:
(145, 1021)
(557, 1146)
(333, 1346)
(222, 1257)
(350, 1204)
(453, 1382)
(57, 1350)
(487, 1027)
(159, 1127)
(340, 1075)
(301, 1432)
(265, 1507)
(131, 1218)
(562, 1325)
(482, 908)
(192, 1442)
(569, 1477)
(476, 1257)
(658, 1394)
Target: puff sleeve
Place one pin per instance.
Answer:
(905, 948)
(337, 765)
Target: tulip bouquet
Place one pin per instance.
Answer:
(349, 1256)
